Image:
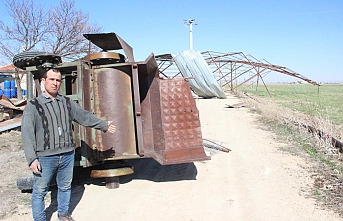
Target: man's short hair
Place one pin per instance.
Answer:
(46, 72)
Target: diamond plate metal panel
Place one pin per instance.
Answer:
(180, 123)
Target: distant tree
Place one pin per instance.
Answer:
(58, 30)
(28, 28)
(66, 28)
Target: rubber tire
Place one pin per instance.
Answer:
(34, 58)
(25, 183)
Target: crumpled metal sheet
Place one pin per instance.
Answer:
(192, 65)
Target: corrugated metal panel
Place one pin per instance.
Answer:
(192, 65)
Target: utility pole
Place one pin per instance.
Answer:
(190, 23)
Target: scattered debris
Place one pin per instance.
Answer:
(18, 105)
(213, 145)
(238, 105)
(10, 124)
(5, 114)
(320, 134)
(249, 96)
(191, 63)
(8, 118)
(227, 68)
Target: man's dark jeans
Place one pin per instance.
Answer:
(62, 165)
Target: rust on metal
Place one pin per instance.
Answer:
(176, 128)
(230, 68)
(111, 41)
(112, 182)
(112, 175)
(99, 58)
(141, 99)
(113, 101)
(214, 145)
(238, 105)
(242, 64)
(111, 172)
(320, 134)
(155, 118)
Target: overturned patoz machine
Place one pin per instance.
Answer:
(155, 118)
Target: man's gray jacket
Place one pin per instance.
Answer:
(46, 125)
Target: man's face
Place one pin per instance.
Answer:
(52, 83)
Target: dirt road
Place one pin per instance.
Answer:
(255, 181)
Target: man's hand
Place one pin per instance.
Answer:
(111, 128)
(35, 167)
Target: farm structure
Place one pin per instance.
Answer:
(231, 70)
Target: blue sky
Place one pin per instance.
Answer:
(306, 36)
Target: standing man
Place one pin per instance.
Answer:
(49, 144)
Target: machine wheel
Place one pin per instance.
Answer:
(34, 58)
(26, 183)
(112, 175)
(101, 58)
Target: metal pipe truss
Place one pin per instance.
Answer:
(231, 70)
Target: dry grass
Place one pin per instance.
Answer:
(327, 161)
(273, 112)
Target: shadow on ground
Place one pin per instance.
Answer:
(144, 169)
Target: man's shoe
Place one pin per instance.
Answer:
(66, 217)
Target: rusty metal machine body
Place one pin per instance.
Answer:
(155, 118)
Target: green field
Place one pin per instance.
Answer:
(324, 101)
